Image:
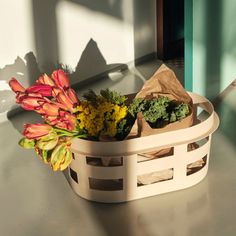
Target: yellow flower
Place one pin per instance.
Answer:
(101, 119)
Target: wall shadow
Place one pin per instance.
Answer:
(24, 70)
(92, 66)
(45, 33)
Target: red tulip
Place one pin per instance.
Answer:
(60, 79)
(32, 103)
(68, 99)
(72, 95)
(56, 91)
(16, 86)
(43, 89)
(49, 109)
(64, 100)
(64, 120)
(69, 119)
(36, 131)
(45, 79)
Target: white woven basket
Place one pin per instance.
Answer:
(119, 183)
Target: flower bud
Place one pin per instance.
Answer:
(60, 79)
(27, 143)
(49, 109)
(48, 142)
(45, 79)
(16, 86)
(61, 157)
(63, 99)
(36, 131)
(31, 103)
(43, 89)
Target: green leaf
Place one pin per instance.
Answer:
(27, 143)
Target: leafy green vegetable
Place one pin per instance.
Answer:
(179, 112)
(136, 106)
(156, 110)
(113, 96)
(159, 111)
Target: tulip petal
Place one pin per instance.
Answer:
(45, 79)
(27, 143)
(36, 131)
(48, 142)
(43, 89)
(31, 103)
(67, 160)
(45, 155)
(16, 86)
(58, 156)
(60, 79)
(65, 101)
(72, 95)
(49, 109)
(56, 91)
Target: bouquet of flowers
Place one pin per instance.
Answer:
(107, 116)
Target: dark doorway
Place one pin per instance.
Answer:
(170, 29)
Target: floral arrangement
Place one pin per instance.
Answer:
(106, 116)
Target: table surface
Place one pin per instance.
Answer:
(36, 201)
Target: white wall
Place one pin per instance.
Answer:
(88, 36)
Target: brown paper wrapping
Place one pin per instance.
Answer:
(164, 83)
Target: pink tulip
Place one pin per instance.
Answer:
(43, 89)
(45, 79)
(16, 86)
(60, 79)
(36, 131)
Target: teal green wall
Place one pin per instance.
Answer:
(214, 46)
(188, 45)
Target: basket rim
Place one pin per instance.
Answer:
(148, 143)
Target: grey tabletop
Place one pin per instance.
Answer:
(36, 201)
